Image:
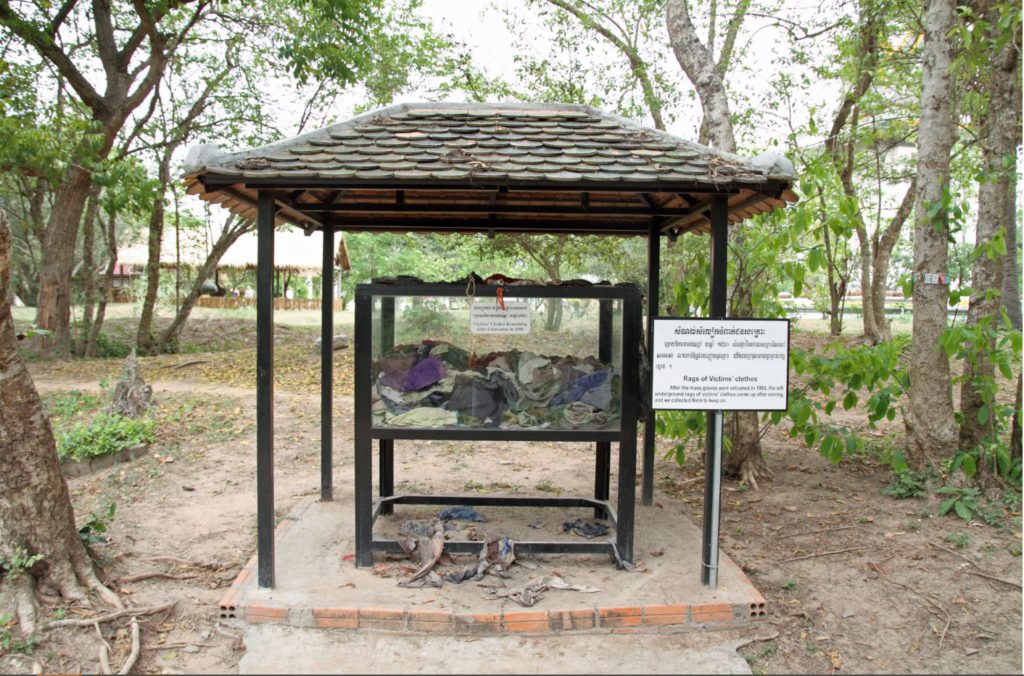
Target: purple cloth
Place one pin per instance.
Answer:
(423, 374)
(394, 371)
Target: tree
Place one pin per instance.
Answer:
(928, 416)
(133, 44)
(744, 459)
(36, 517)
(999, 127)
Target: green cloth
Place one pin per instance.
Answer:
(424, 417)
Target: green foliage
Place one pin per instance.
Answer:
(106, 434)
(427, 318)
(964, 501)
(958, 540)
(908, 484)
(91, 532)
(977, 344)
(789, 584)
(25, 645)
(69, 404)
(108, 347)
(841, 376)
(19, 563)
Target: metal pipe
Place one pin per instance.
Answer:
(265, 390)
(327, 369)
(713, 447)
(653, 281)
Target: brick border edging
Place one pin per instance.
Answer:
(648, 618)
(230, 603)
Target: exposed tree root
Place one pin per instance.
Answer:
(136, 648)
(751, 469)
(150, 610)
(23, 589)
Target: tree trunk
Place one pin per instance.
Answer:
(144, 335)
(697, 62)
(998, 137)
(53, 305)
(1011, 275)
(928, 417)
(1015, 433)
(699, 66)
(88, 271)
(227, 237)
(871, 332)
(881, 249)
(105, 286)
(36, 516)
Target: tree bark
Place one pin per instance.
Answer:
(144, 335)
(1011, 275)
(105, 286)
(928, 416)
(36, 516)
(88, 271)
(53, 304)
(998, 137)
(233, 229)
(699, 66)
(881, 247)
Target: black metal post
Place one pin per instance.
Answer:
(603, 461)
(363, 422)
(653, 282)
(265, 389)
(386, 465)
(713, 448)
(627, 445)
(327, 368)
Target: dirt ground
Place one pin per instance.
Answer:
(856, 580)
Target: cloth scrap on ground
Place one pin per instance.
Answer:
(461, 514)
(584, 528)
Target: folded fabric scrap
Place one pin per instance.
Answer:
(461, 514)
(531, 592)
(587, 529)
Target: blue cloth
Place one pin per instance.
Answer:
(589, 382)
(460, 514)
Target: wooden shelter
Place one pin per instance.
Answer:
(518, 168)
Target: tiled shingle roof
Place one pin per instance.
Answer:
(521, 143)
(546, 159)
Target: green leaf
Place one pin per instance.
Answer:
(946, 506)
(850, 400)
(962, 511)
(969, 466)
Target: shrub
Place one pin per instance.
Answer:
(106, 434)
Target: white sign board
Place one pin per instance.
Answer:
(486, 316)
(720, 364)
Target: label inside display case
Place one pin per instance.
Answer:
(487, 317)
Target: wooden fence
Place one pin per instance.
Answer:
(233, 303)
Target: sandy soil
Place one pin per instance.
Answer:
(856, 580)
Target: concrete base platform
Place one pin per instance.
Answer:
(317, 585)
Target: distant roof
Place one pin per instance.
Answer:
(293, 251)
(498, 166)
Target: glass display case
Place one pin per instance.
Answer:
(447, 361)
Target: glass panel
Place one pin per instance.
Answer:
(458, 362)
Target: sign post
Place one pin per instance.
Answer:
(718, 365)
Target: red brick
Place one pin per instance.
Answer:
(712, 612)
(570, 620)
(662, 614)
(620, 617)
(257, 612)
(526, 621)
(388, 619)
(230, 599)
(432, 621)
(244, 576)
(337, 623)
(480, 623)
(337, 613)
